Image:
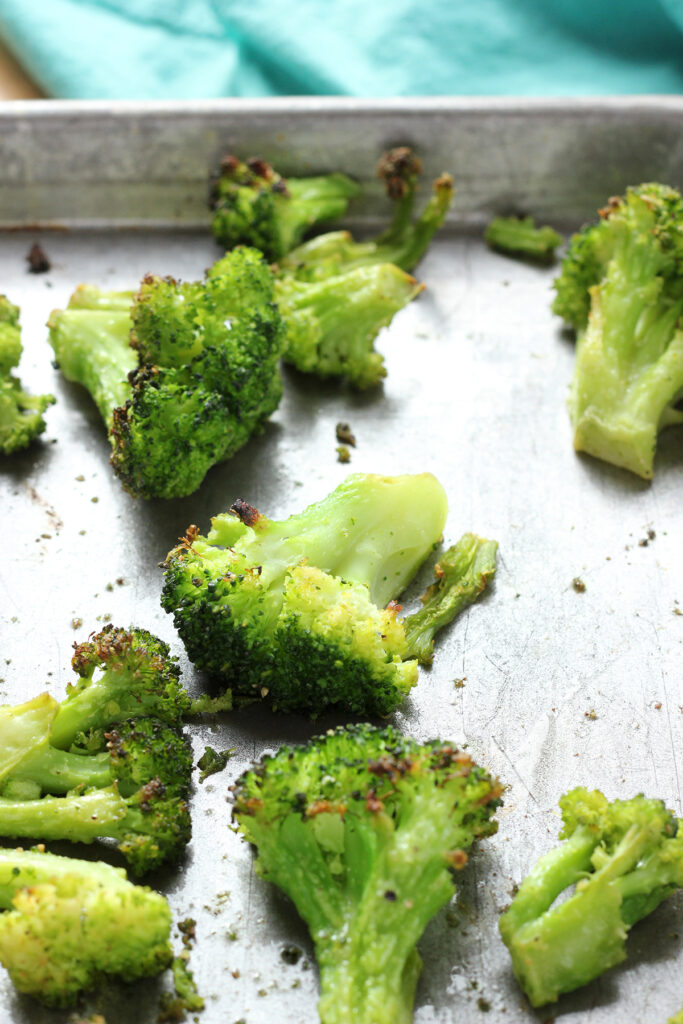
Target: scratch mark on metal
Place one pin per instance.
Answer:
(505, 755)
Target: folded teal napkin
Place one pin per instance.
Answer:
(139, 49)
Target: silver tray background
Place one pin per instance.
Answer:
(478, 373)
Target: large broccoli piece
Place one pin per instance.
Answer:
(182, 377)
(621, 287)
(296, 611)
(404, 242)
(519, 236)
(65, 924)
(253, 205)
(366, 830)
(624, 857)
(21, 414)
(110, 761)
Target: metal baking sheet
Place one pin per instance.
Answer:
(560, 688)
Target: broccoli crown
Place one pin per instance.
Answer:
(621, 287)
(66, 924)
(365, 830)
(404, 242)
(623, 857)
(205, 378)
(295, 610)
(519, 236)
(122, 674)
(253, 205)
(332, 324)
(21, 414)
(462, 574)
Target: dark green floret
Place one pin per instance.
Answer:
(621, 288)
(623, 858)
(366, 831)
(111, 761)
(519, 236)
(253, 205)
(67, 924)
(301, 611)
(404, 242)
(21, 414)
(462, 573)
(184, 376)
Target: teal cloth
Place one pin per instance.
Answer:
(176, 49)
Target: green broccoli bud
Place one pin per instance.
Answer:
(623, 858)
(462, 574)
(66, 924)
(21, 414)
(332, 324)
(253, 205)
(519, 236)
(405, 241)
(295, 611)
(204, 379)
(365, 830)
(621, 287)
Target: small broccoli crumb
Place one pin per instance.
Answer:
(459, 683)
(76, 623)
(578, 585)
(343, 454)
(213, 761)
(345, 434)
(187, 929)
(591, 715)
(291, 955)
(483, 1004)
(38, 263)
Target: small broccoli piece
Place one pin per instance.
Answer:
(295, 610)
(405, 241)
(184, 377)
(519, 236)
(677, 1018)
(253, 205)
(332, 324)
(621, 288)
(462, 574)
(66, 924)
(213, 761)
(21, 414)
(624, 857)
(365, 830)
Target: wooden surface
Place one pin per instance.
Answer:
(15, 84)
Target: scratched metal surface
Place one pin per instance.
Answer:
(560, 688)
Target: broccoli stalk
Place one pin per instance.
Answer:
(85, 769)
(21, 414)
(624, 858)
(405, 241)
(621, 287)
(519, 236)
(462, 574)
(365, 829)
(184, 377)
(66, 923)
(253, 205)
(293, 610)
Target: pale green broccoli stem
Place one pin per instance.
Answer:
(312, 200)
(92, 348)
(372, 530)
(462, 572)
(58, 771)
(521, 237)
(89, 296)
(332, 324)
(94, 705)
(98, 814)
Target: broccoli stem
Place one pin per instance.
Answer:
(94, 815)
(58, 771)
(94, 705)
(89, 296)
(462, 572)
(311, 200)
(521, 237)
(92, 348)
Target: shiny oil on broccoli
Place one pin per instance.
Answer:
(621, 288)
(623, 858)
(111, 761)
(21, 414)
(366, 831)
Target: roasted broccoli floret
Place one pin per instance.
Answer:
(253, 205)
(65, 924)
(184, 377)
(296, 611)
(332, 324)
(405, 241)
(621, 288)
(624, 857)
(366, 830)
(519, 236)
(21, 414)
(86, 769)
(462, 574)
